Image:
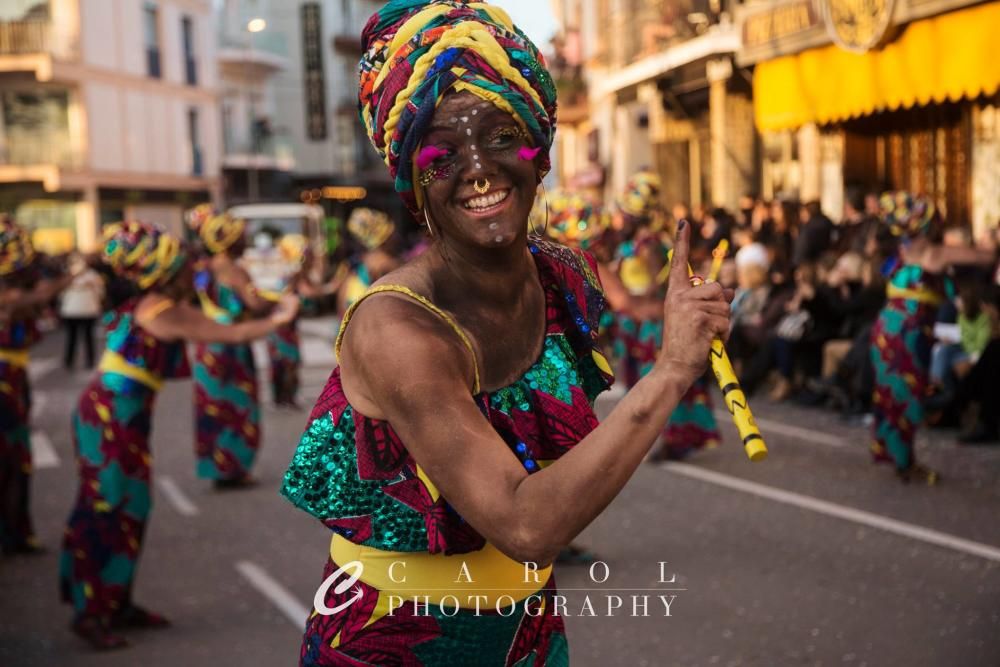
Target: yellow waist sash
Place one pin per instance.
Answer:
(433, 577)
(14, 357)
(112, 362)
(920, 295)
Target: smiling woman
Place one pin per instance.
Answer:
(460, 422)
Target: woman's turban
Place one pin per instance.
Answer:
(416, 51)
(906, 214)
(573, 220)
(642, 196)
(371, 228)
(219, 232)
(16, 250)
(142, 253)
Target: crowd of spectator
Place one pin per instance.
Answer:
(808, 291)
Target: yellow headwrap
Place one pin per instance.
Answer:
(371, 228)
(16, 250)
(143, 253)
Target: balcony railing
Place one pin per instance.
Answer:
(51, 149)
(30, 37)
(18, 37)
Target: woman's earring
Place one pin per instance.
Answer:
(546, 227)
(427, 219)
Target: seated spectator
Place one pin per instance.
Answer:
(858, 227)
(815, 236)
(757, 307)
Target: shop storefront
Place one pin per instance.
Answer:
(905, 96)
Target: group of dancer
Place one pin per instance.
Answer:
(458, 429)
(182, 292)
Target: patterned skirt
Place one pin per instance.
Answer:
(227, 413)
(15, 458)
(285, 359)
(104, 533)
(901, 353)
(527, 634)
(692, 424)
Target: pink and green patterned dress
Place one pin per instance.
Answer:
(16, 337)
(901, 351)
(692, 424)
(111, 430)
(356, 476)
(226, 407)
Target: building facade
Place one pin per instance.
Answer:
(108, 110)
(290, 103)
(898, 94)
(662, 93)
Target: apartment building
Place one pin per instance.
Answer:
(108, 110)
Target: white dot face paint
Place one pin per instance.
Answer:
(465, 119)
(499, 239)
(475, 111)
(479, 166)
(468, 131)
(493, 225)
(453, 120)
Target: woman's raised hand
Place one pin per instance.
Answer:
(693, 316)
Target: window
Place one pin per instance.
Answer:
(197, 168)
(151, 28)
(190, 64)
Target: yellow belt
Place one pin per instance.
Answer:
(921, 295)
(14, 357)
(488, 574)
(112, 362)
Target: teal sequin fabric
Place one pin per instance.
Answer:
(355, 475)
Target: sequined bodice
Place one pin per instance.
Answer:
(220, 302)
(138, 349)
(353, 472)
(911, 279)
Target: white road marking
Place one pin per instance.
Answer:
(40, 368)
(39, 401)
(878, 521)
(43, 454)
(797, 432)
(279, 596)
(176, 497)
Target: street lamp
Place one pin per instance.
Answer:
(254, 26)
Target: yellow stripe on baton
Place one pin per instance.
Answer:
(732, 393)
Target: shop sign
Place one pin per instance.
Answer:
(781, 21)
(857, 25)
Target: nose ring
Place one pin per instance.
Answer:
(481, 189)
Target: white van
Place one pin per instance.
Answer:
(277, 235)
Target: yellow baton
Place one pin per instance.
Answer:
(732, 393)
(718, 256)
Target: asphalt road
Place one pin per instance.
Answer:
(814, 557)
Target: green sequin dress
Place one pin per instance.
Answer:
(356, 476)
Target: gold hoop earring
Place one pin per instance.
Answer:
(545, 228)
(427, 219)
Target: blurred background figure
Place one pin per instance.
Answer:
(80, 306)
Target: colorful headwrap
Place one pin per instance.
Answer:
(641, 198)
(573, 220)
(219, 232)
(906, 214)
(143, 253)
(16, 250)
(416, 51)
(197, 216)
(370, 227)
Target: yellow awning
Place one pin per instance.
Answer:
(948, 57)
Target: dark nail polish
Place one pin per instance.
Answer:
(680, 225)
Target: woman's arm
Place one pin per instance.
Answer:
(414, 370)
(182, 321)
(621, 301)
(237, 278)
(940, 258)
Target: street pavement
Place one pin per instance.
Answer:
(813, 557)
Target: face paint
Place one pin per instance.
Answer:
(427, 156)
(527, 154)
